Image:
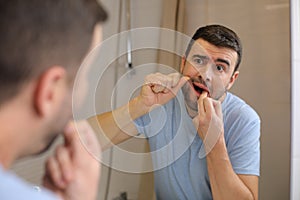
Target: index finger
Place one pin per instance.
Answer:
(180, 84)
(71, 137)
(201, 107)
(88, 138)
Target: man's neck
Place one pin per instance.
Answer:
(8, 152)
(13, 127)
(191, 112)
(9, 140)
(222, 98)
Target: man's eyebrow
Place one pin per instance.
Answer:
(223, 61)
(204, 57)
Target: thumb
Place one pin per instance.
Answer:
(81, 139)
(180, 83)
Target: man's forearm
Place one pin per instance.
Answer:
(118, 125)
(225, 183)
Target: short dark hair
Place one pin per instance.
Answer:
(38, 34)
(220, 36)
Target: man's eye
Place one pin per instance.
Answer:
(220, 68)
(199, 61)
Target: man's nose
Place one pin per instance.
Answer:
(205, 72)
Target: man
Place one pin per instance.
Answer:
(42, 45)
(204, 142)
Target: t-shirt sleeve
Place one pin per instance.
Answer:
(243, 144)
(141, 124)
(152, 123)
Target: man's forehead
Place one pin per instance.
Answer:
(198, 48)
(204, 48)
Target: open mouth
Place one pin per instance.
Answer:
(200, 88)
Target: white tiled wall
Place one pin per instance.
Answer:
(295, 43)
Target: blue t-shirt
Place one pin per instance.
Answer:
(180, 173)
(13, 188)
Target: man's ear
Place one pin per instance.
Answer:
(182, 63)
(49, 90)
(233, 79)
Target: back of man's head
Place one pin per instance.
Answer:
(38, 34)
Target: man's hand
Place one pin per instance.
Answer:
(159, 88)
(209, 121)
(73, 172)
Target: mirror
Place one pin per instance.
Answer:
(264, 81)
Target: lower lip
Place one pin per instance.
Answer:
(196, 92)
